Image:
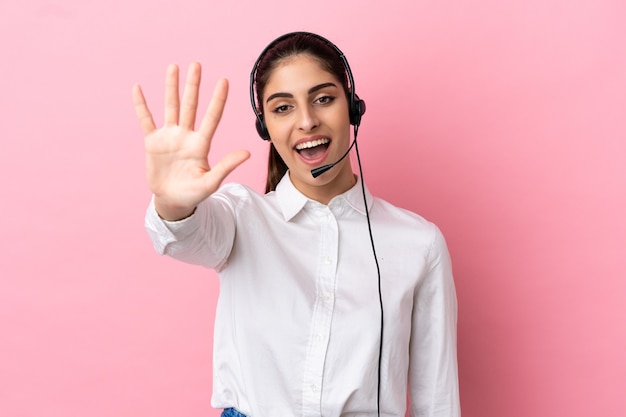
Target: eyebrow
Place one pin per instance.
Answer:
(311, 91)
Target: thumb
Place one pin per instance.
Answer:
(227, 164)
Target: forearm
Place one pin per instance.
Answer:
(203, 238)
(433, 373)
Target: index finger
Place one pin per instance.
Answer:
(216, 107)
(142, 111)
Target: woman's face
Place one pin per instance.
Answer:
(306, 114)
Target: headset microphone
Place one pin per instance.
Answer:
(319, 171)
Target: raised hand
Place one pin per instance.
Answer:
(177, 167)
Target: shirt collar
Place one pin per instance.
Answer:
(292, 201)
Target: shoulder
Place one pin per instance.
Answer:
(234, 190)
(236, 194)
(385, 211)
(240, 197)
(407, 226)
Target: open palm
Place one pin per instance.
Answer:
(177, 167)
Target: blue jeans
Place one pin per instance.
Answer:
(231, 412)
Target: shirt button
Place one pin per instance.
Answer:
(329, 260)
(326, 297)
(313, 387)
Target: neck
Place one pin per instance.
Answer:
(325, 192)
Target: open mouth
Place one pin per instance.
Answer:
(313, 149)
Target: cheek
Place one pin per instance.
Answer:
(343, 124)
(278, 130)
(280, 144)
(342, 118)
(280, 139)
(285, 154)
(281, 148)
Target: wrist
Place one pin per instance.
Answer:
(173, 214)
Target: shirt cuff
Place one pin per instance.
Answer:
(164, 232)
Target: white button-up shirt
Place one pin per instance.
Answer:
(298, 319)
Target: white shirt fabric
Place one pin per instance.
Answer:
(297, 326)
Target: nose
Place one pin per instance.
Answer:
(307, 119)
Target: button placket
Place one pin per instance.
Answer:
(322, 314)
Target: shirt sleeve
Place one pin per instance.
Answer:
(204, 238)
(433, 371)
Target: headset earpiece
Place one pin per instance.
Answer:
(261, 128)
(357, 109)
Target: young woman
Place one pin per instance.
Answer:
(307, 269)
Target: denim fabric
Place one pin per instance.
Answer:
(231, 412)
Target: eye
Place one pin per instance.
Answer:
(325, 99)
(280, 109)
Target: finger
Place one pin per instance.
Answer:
(189, 104)
(172, 103)
(227, 164)
(142, 111)
(214, 113)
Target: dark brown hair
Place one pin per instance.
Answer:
(291, 46)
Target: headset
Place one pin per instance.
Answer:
(356, 105)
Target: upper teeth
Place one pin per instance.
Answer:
(312, 144)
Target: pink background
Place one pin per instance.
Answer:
(503, 122)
